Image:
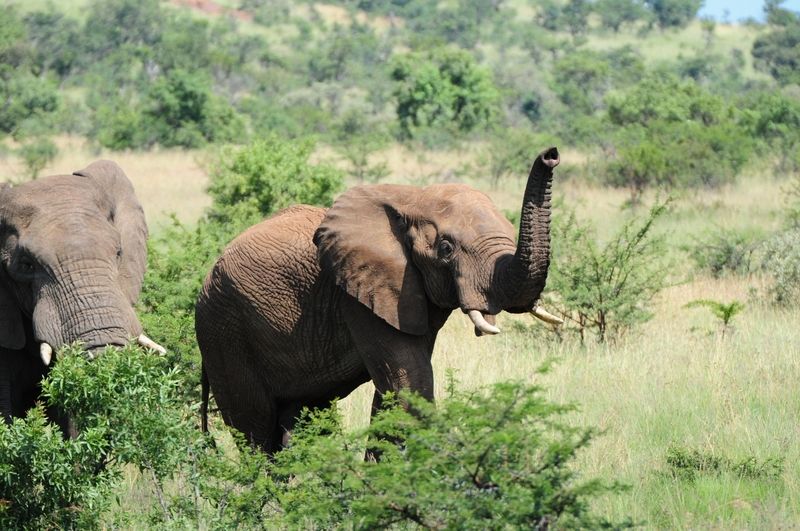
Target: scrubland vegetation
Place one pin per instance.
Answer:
(669, 398)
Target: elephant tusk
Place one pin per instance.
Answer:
(146, 342)
(46, 353)
(546, 316)
(480, 323)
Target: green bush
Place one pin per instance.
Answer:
(581, 79)
(774, 119)
(47, 482)
(674, 13)
(126, 407)
(180, 110)
(722, 311)
(36, 154)
(606, 290)
(724, 252)
(493, 459)
(674, 134)
(777, 53)
(482, 459)
(269, 175)
(782, 262)
(443, 88)
(26, 98)
(689, 464)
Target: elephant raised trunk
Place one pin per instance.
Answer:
(525, 274)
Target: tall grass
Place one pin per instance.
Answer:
(673, 383)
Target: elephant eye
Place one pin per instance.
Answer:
(445, 249)
(119, 253)
(25, 265)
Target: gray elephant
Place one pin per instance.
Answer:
(309, 304)
(72, 260)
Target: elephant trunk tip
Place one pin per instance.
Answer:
(550, 157)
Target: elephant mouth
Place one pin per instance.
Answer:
(46, 351)
(485, 323)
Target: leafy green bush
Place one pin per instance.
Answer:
(776, 52)
(127, 410)
(26, 98)
(724, 252)
(673, 133)
(606, 290)
(47, 482)
(782, 262)
(774, 118)
(481, 460)
(36, 154)
(674, 13)
(269, 175)
(688, 464)
(443, 88)
(580, 80)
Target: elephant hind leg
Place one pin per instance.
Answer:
(258, 424)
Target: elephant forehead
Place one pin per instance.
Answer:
(465, 210)
(56, 194)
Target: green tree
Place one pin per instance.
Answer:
(56, 42)
(444, 88)
(606, 290)
(114, 24)
(774, 118)
(27, 101)
(616, 13)
(674, 133)
(580, 80)
(778, 53)
(674, 13)
(36, 154)
(271, 174)
(182, 111)
(779, 16)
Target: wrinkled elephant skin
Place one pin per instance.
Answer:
(307, 305)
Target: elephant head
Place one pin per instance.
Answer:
(72, 259)
(398, 248)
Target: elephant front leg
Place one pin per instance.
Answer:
(396, 361)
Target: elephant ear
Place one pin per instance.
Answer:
(127, 215)
(12, 333)
(361, 242)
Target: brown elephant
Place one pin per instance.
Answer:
(72, 258)
(309, 304)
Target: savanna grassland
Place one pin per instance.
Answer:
(696, 405)
(676, 381)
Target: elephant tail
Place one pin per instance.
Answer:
(204, 405)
